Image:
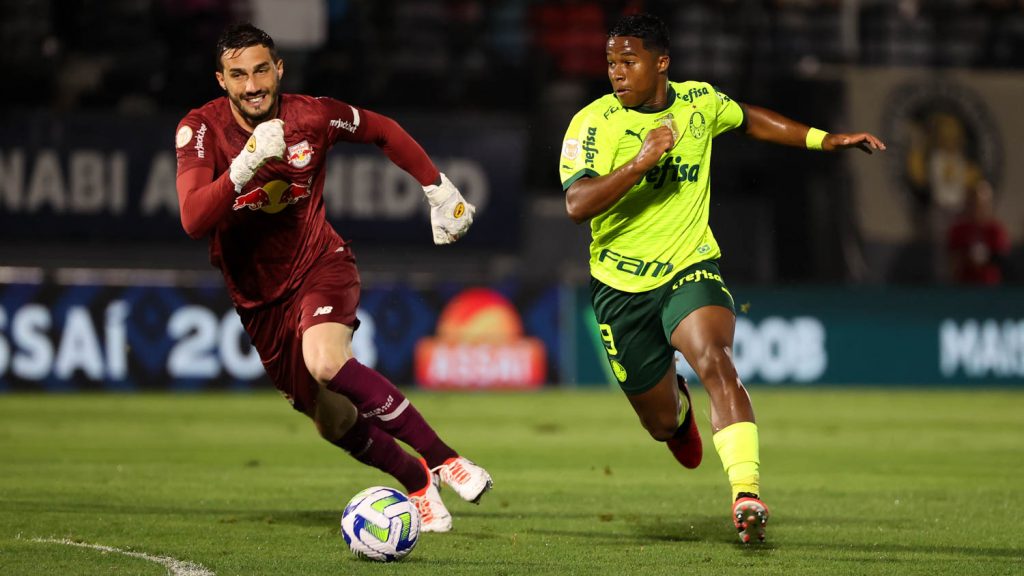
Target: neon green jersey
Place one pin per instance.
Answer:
(660, 225)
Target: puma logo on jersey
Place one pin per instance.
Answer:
(639, 135)
(321, 310)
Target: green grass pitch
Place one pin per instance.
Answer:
(860, 481)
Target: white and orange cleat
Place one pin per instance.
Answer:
(467, 479)
(750, 516)
(434, 516)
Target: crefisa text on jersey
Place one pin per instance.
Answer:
(693, 93)
(588, 146)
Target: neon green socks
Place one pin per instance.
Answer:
(737, 446)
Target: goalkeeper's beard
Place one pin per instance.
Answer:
(255, 119)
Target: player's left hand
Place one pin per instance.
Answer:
(863, 140)
(266, 143)
(450, 214)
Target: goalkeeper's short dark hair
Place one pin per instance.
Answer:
(647, 27)
(243, 35)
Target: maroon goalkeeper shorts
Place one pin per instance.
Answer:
(329, 293)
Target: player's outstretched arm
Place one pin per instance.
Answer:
(450, 214)
(588, 197)
(770, 126)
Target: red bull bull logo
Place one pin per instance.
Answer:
(272, 197)
(254, 199)
(294, 193)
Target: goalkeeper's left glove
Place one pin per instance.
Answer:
(450, 214)
(266, 142)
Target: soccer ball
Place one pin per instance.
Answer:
(381, 524)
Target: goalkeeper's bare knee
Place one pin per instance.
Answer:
(334, 415)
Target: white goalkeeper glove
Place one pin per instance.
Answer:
(450, 214)
(266, 142)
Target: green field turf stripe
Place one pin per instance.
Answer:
(863, 481)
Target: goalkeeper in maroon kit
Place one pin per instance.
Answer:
(251, 171)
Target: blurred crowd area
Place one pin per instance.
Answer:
(533, 64)
(140, 56)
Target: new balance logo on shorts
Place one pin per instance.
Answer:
(323, 310)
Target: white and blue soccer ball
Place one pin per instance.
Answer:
(381, 524)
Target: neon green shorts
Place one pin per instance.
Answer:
(637, 327)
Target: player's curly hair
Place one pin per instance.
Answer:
(647, 27)
(243, 35)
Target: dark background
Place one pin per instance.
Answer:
(118, 74)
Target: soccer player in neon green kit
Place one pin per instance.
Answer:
(636, 164)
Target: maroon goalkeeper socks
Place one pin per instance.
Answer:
(374, 447)
(384, 405)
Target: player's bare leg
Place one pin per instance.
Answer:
(334, 415)
(668, 417)
(327, 349)
(705, 338)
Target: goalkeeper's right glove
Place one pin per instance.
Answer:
(266, 142)
(450, 214)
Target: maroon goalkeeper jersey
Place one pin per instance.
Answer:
(267, 237)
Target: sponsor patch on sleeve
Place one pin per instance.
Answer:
(571, 149)
(183, 137)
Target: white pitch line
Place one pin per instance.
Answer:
(174, 566)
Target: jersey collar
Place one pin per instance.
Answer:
(670, 98)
